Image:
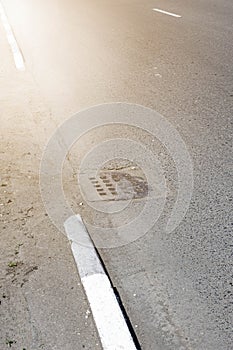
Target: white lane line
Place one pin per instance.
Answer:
(110, 323)
(167, 13)
(18, 58)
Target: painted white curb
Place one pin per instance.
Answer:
(110, 323)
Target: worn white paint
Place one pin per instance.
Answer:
(167, 13)
(18, 58)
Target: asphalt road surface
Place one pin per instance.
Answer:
(176, 286)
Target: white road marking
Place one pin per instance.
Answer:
(110, 323)
(167, 13)
(18, 58)
(157, 74)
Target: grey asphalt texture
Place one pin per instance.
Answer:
(176, 287)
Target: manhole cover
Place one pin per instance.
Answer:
(110, 185)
